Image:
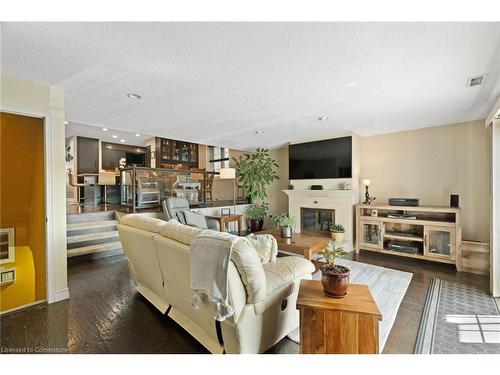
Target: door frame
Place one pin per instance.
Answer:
(51, 293)
(495, 208)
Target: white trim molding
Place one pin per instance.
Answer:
(495, 209)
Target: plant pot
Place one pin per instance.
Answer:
(286, 232)
(256, 225)
(338, 236)
(335, 280)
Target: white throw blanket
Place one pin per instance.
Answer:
(210, 256)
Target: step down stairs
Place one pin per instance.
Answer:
(92, 236)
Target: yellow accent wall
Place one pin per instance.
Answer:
(22, 198)
(22, 292)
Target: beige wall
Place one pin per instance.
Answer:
(430, 164)
(278, 201)
(24, 96)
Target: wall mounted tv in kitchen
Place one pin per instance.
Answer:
(329, 158)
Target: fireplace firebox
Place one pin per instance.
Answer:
(316, 220)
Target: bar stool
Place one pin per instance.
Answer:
(106, 179)
(73, 182)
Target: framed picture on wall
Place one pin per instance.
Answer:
(7, 245)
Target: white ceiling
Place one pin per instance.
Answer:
(111, 135)
(218, 83)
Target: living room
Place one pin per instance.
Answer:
(176, 199)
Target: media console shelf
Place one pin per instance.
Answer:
(425, 232)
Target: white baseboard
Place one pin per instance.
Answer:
(60, 295)
(22, 307)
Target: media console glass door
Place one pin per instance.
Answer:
(371, 234)
(439, 242)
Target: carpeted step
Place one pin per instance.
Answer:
(91, 227)
(110, 248)
(91, 239)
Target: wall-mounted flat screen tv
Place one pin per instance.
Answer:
(330, 158)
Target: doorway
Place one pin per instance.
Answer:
(22, 202)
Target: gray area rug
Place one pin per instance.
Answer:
(387, 286)
(458, 319)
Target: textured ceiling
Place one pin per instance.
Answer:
(218, 83)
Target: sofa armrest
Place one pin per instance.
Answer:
(283, 279)
(213, 224)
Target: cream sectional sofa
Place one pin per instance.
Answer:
(263, 295)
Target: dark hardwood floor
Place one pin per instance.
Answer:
(106, 315)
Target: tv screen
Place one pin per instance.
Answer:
(135, 159)
(330, 158)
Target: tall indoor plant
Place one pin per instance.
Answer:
(255, 172)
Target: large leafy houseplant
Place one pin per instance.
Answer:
(255, 172)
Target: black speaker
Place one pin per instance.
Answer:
(454, 200)
(316, 187)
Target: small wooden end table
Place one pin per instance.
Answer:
(223, 219)
(347, 325)
(301, 243)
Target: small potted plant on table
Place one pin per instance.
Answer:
(335, 278)
(337, 231)
(285, 223)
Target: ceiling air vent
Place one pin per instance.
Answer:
(475, 81)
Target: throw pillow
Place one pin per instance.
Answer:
(265, 245)
(195, 220)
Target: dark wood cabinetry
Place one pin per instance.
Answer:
(171, 152)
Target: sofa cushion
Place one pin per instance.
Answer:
(143, 222)
(179, 232)
(265, 245)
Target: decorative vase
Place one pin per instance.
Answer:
(256, 225)
(261, 224)
(335, 280)
(338, 236)
(286, 232)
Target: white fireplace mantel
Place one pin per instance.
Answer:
(321, 193)
(342, 201)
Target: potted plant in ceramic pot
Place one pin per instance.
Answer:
(255, 172)
(338, 232)
(335, 278)
(256, 214)
(285, 223)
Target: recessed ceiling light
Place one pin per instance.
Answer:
(134, 96)
(114, 136)
(122, 140)
(137, 135)
(104, 129)
(259, 131)
(110, 147)
(66, 122)
(350, 84)
(322, 118)
(337, 99)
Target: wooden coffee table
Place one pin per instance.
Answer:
(301, 243)
(227, 219)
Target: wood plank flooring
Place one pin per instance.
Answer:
(106, 315)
